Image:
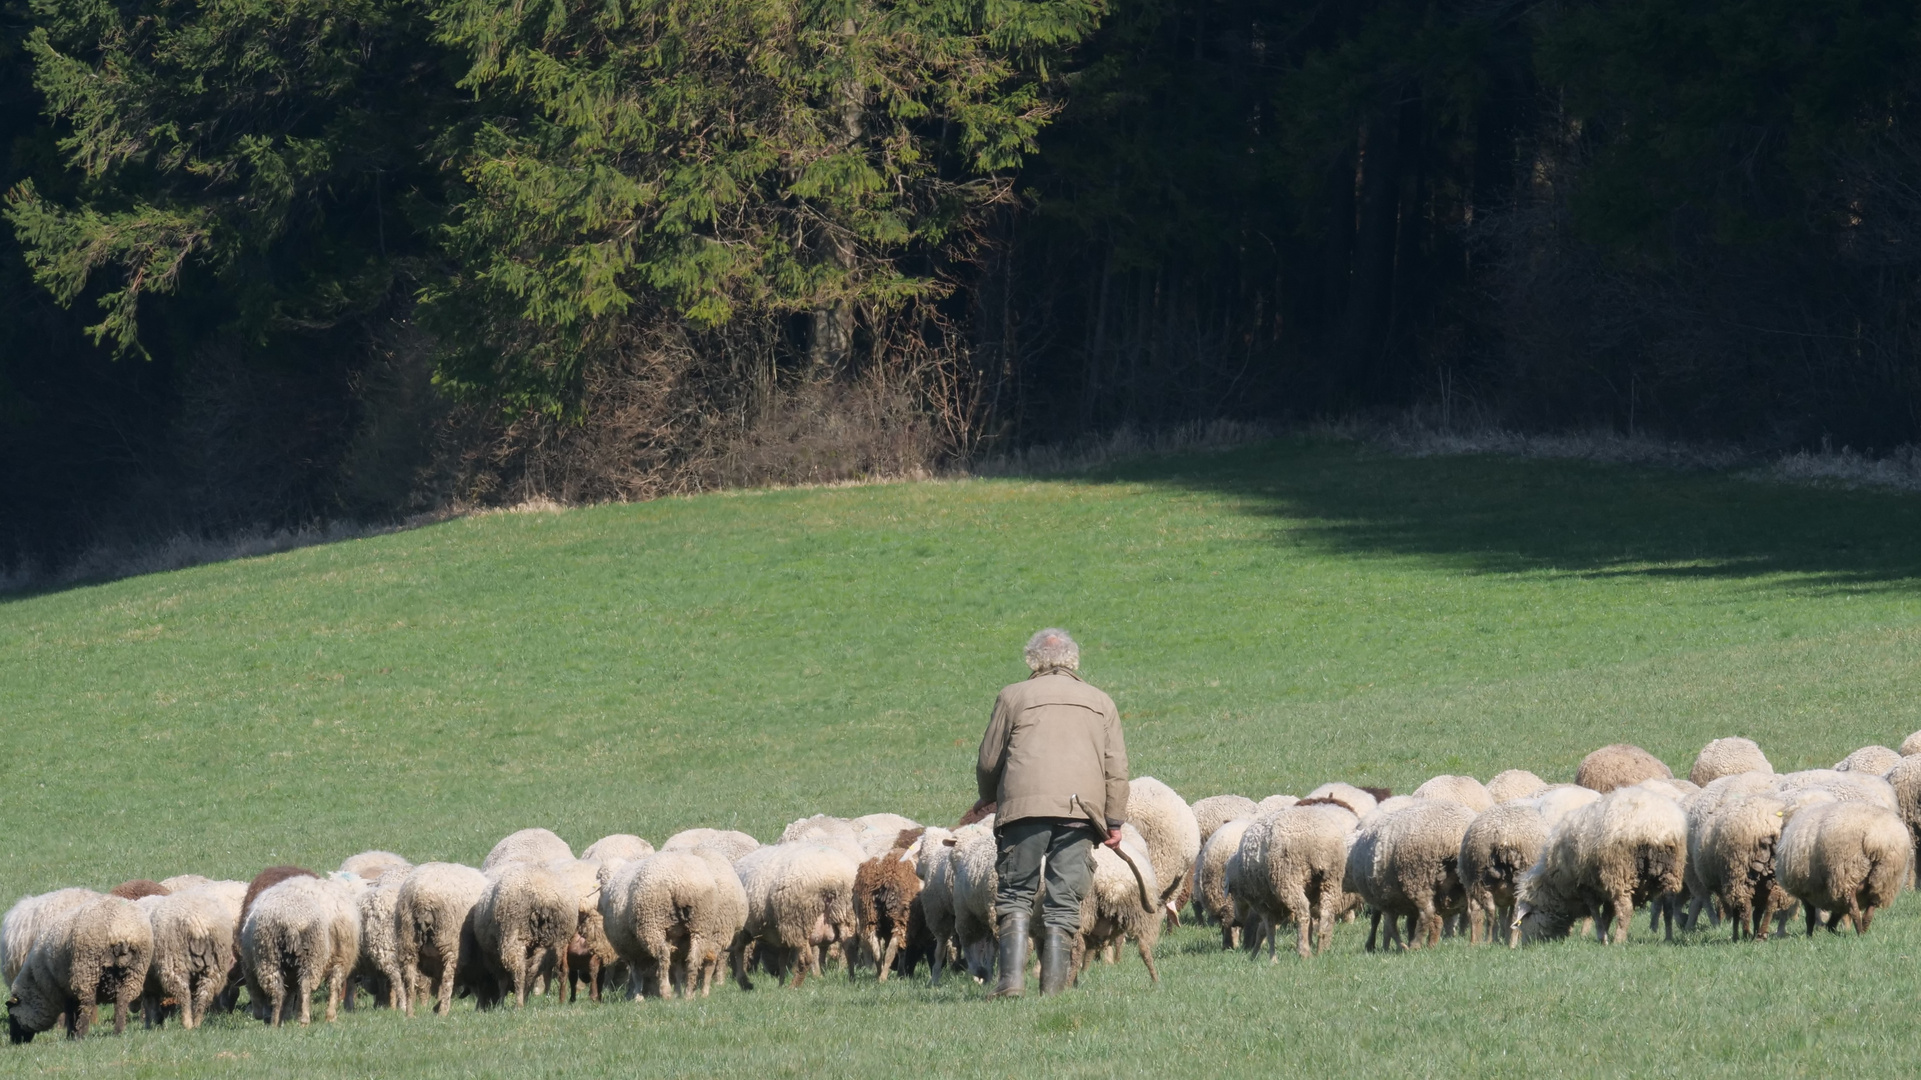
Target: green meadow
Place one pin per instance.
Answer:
(1268, 618)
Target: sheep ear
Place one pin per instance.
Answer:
(950, 843)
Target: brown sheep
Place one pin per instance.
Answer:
(884, 892)
(137, 888)
(1619, 765)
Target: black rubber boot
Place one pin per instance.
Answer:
(1057, 959)
(1013, 959)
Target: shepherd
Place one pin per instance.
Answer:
(1055, 767)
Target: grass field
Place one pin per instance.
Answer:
(1268, 618)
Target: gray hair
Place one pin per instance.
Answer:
(1052, 648)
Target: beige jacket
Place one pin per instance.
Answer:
(1051, 738)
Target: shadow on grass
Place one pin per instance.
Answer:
(1511, 515)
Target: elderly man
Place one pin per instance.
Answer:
(1054, 763)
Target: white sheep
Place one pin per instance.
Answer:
(1514, 785)
(1173, 839)
(1465, 790)
(1601, 860)
(617, 846)
(1873, 760)
(1845, 858)
(731, 843)
(429, 918)
(299, 934)
(1726, 757)
(82, 955)
(193, 948)
(1405, 863)
(1210, 878)
(522, 923)
(527, 845)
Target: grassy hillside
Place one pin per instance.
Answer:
(1267, 618)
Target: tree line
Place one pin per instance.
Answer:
(278, 261)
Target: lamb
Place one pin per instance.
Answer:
(1293, 861)
(193, 950)
(1726, 757)
(137, 888)
(1733, 859)
(799, 901)
(374, 865)
(1210, 878)
(1405, 863)
(734, 845)
(378, 967)
(429, 918)
(1874, 760)
(28, 918)
(523, 921)
(1846, 858)
(619, 846)
(885, 889)
(1172, 836)
(1461, 789)
(1514, 785)
(1496, 851)
(83, 954)
(1619, 765)
(527, 845)
(298, 934)
(1111, 910)
(1626, 848)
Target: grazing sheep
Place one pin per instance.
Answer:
(264, 880)
(1405, 863)
(429, 918)
(1726, 757)
(525, 918)
(1465, 790)
(588, 951)
(1217, 810)
(84, 954)
(28, 918)
(1845, 858)
(1911, 744)
(1173, 838)
(527, 845)
(935, 865)
(976, 880)
(378, 967)
(1358, 799)
(621, 846)
(1210, 878)
(1733, 859)
(1852, 786)
(885, 889)
(374, 865)
(1497, 849)
(1619, 765)
(193, 951)
(828, 830)
(1273, 802)
(183, 882)
(670, 895)
(1699, 807)
(1626, 848)
(137, 888)
(877, 832)
(617, 918)
(299, 934)
(800, 900)
(1905, 780)
(1111, 910)
(1514, 785)
(734, 845)
(1293, 861)
(1560, 800)
(1874, 760)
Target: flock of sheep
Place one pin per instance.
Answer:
(886, 894)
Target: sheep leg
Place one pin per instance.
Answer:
(1862, 920)
(1298, 906)
(1373, 928)
(1834, 920)
(339, 985)
(1854, 916)
(1147, 957)
(893, 949)
(1668, 904)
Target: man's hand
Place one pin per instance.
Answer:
(1113, 839)
(979, 806)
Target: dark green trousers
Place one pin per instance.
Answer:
(1067, 849)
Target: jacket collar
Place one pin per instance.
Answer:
(1069, 672)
